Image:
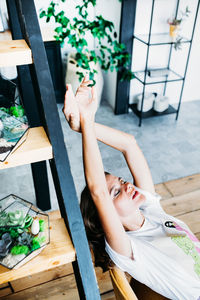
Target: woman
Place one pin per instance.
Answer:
(126, 220)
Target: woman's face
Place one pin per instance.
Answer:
(125, 198)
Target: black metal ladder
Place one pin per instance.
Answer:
(40, 104)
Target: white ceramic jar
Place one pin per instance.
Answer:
(161, 103)
(148, 101)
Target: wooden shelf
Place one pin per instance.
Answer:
(14, 53)
(36, 148)
(60, 251)
(46, 31)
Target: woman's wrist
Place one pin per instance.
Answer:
(86, 121)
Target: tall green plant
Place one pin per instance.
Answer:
(111, 54)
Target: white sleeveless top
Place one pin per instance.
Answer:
(166, 254)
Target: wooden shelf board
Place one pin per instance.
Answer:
(36, 148)
(46, 31)
(60, 251)
(14, 53)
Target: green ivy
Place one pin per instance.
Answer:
(111, 54)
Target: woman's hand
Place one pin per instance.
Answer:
(87, 100)
(71, 110)
(84, 104)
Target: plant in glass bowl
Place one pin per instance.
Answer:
(24, 231)
(174, 24)
(108, 52)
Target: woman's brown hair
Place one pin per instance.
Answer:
(94, 230)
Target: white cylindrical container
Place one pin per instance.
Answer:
(147, 103)
(161, 103)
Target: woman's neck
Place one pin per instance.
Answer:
(134, 222)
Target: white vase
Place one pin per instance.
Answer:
(161, 103)
(73, 79)
(147, 103)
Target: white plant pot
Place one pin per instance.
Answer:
(73, 79)
(147, 103)
(161, 103)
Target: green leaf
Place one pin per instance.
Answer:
(43, 14)
(59, 29)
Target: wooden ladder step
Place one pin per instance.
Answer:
(35, 148)
(15, 53)
(60, 251)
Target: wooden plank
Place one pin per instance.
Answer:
(103, 279)
(180, 205)
(192, 220)
(162, 190)
(5, 292)
(184, 185)
(14, 53)
(3, 285)
(108, 296)
(46, 31)
(36, 148)
(198, 235)
(41, 277)
(59, 252)
(61, 288)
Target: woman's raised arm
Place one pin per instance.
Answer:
(133, 155)
(96, 181)
(119, 140)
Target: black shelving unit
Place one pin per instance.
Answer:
(152, 40)
(37, 90)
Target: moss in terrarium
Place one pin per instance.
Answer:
(37, 242)
(42, 225)
(17, 111)
(19, 249)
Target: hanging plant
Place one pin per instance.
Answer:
(110, 54)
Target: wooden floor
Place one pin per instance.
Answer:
(180, 198)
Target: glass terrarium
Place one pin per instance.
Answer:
(24, 231)
(13, 121)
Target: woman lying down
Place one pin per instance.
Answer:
(125, 222)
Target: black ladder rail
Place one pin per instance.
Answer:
(39, 169)
(63, 181)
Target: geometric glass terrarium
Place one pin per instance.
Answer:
(24, 231)
(13, 121)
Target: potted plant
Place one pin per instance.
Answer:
(108, 52)
(174, 24)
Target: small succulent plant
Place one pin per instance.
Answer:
(5, 243)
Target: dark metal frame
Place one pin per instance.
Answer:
(165, 80)
(60, 167)
(39, 169)
(126, 36)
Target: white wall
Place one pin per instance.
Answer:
(158, 56)
(111, 9)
